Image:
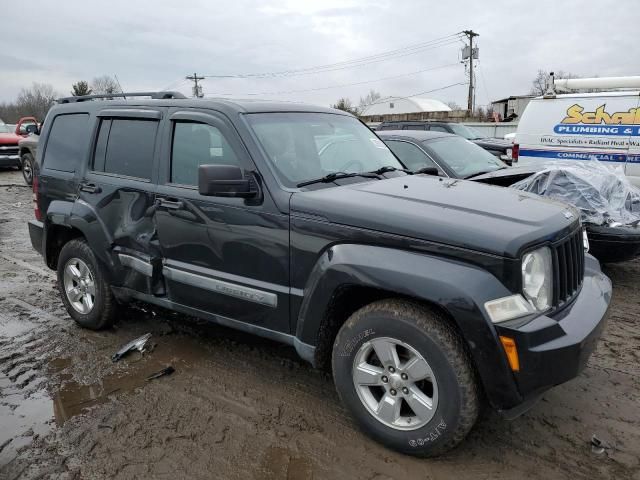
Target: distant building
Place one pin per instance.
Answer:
(511, 108)
(397, 108)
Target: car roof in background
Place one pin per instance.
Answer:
(417, 135)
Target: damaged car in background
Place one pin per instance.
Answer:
(608, 203)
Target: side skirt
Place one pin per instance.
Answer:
(304, 350)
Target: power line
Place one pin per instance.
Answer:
(339, 85)
(380, 57)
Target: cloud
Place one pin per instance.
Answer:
(154, 44)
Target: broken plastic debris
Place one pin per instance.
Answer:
(138, 344)
(165, 371)
(597, 445)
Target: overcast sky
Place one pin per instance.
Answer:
(154, 44)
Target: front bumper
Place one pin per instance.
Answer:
(555, 348)
(9, 160)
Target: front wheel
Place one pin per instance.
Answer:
(404, 374)
(26, 163)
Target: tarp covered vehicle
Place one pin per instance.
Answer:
(608, 202)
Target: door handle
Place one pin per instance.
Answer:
(90, 188)
(171, 204)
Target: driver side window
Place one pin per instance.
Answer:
(412, 156)
(196, 144)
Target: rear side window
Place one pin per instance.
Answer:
(125, 147)
(67, 143)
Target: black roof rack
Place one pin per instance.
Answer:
(153, 95)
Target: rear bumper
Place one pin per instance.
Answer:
(554, 349)
(614, 244)
(9, 160)
(36, 233)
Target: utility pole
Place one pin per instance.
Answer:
(197, 89)
(470, 34)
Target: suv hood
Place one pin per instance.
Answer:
(460, 213)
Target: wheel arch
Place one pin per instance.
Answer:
(347, 277)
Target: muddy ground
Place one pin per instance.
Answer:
(242, 407)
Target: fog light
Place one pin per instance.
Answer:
(507, 308)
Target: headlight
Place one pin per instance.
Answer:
(537, 284)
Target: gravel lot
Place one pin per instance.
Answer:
(242, 407)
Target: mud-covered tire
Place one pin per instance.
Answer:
(104, 308)
(26, 165)
(429, 334)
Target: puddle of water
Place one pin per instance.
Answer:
(13, 327)
(24, 414)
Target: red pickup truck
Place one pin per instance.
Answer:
(9, 138)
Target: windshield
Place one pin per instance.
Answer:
(466, 132)
(6, 128)
(306, 146)
(466, 159)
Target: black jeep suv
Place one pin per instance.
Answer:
(425, 296)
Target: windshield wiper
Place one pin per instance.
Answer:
(336, 176)
(482, 173)
(389, 168)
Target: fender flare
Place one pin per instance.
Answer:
(82, 217)
(459, 288)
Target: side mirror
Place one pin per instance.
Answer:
(224, 181)
(429, 171)
(31, 128)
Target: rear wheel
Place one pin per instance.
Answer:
(405, 376)
(84, 287)
(26, 163)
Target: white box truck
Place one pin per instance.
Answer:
(583, 126)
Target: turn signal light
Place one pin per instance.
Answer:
(510, 349)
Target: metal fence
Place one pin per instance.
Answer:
(497, 130)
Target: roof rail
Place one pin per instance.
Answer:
(154, 95)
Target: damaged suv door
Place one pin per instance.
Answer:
(226, 254)
(118, 190)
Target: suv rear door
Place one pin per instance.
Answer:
(226, 256)
(119, 187)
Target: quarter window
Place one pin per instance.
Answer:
(125, 147)
(196, 144)
(67, 143)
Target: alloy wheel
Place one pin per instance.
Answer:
(395, 383)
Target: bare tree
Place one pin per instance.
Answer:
(105, 85)
(369, 99)
(80, 89)
(345, 105)
(36, 101)
(453, 105)
(539, 84)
